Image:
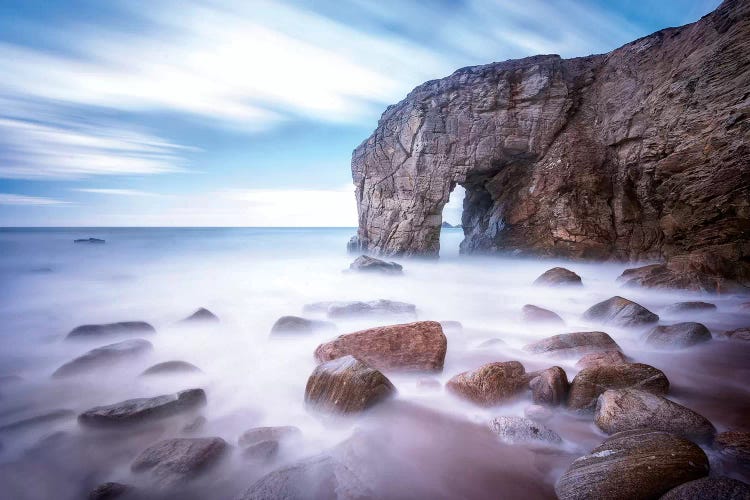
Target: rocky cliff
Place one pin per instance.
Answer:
(641, 153)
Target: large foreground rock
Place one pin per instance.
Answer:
(677, 336)
(491, 384)
(558, 276)
(710, 488)
(419, 346)
(619, 311)
(549, 387)
(135, 411)
(121, 328)
(601, 358)
(295, 324)
(346, 385)
(639, 464)
(589, 383)
(734, 444)
(104, 356)
(175, 461)
(519, 430)
(573, 344)
(626, 409)
(365, 263)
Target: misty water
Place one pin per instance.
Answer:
(422, 444)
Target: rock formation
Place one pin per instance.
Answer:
(641, 153)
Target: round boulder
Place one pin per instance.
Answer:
(589, 383)
(202, 315)
(558, 276)
(490, 384)
(573, 344)
(678, 335)
(710, 488)
(295, 324)
(619, 311)
(516, 430)
(549, 387)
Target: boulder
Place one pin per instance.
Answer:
(626, 409)
(346, 385)
(174, 461)
(491, 384)
(104, 356)
(295, 324)
(710, 488)
(534, 314)
(380, 307)
(518, 430)
(558, 276)
(589, 383)
(109, 491)
(549, 387)
(573, 344)
(259, 434)
(710, 272)
(734, 444)
(601, 358)
(635, 464)
(419, 346)
(678, 335)
(619, 311)
(171, 367)
(202, 315)
(691, 306)
(140, 410)
(738, 334)
(365, 263)
(121, 328)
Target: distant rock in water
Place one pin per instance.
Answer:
(104, 357)
(535, 314)
(558, 276)
(140, 410)
(202, 314)
(447, 225)
(121, 328)
(365, 263)
(380, 307)
(678, 336)
(687, 307)
(171, 367)
(174, 461)
(295, 324)
(573, 344)
(36, 420)
(89, 240)
(619, 311)
(699, 272)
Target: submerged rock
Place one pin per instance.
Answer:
(519, 430)
(104, 356)
(534, 314)
(346, 385)
(549, 387)
(589, 383)
(626, 409)
(419, 346)
(295, 324)
(491, 384)
(558, 276)
(174, 461)
(121, 328)
(604, 358)
(135, 411)
(619, 311)
(202, 315)
(109, 491)
(635, 464)
(734, 444)
(710, 488)
(380, 307)
(573, 344)
(678, 335)
(365, 263)
(738, 334)
(692, 306)
(259, 434)
(89, 240)
(168, 367)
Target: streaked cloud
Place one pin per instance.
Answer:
(17, 199)
(116, 192)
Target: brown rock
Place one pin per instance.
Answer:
(601, 358)
(491, 384)
(346, 385)
(589, 383)
(626, 409)
(678, 335)
(619, 311)
(738, 334)
(634, 464)
(549, 387)
(134, 411)
(573, 344)
(174, 461)
(558, 276)
(534, 314)
(416, 346)
(734, 444)
(710, 488)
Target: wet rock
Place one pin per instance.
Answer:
(295, 324)
(104, 357)
(491, 384)
(534, 314)
(365, 263)
(549, 387)
(573, 344)
(634, 464)
(380, 307)
(558, 276)
(89, 240)
(202, 315)
(121, 328)
(589, 383)
(515, 430)
(36, 420)
(259, 434)
(626, 409)
(678, 335)
(711, 272)
(419, 346)
(109, 491)
(262, 451)
(692, 306)
(601, 358)
(346, 385)
(175, 461)
(619, 311)
(734, 444)
(538, 413)
(738, 334)
(134, 411)
(710, 488)
(171, 367)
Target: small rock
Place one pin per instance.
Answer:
(573, 344)
(263, 451)
(734, 444)
(89, 240)
(549, 387)
(419, 346)
(538, 413)
(260, 434)
(710, 488)
(558, 276)
(692, 306)
(515, 430)
(678, 335)
(104, 356)
(172, 367)
(202, 315)
(133, 411)
(346, 385)
(295, 324)
(589, 383)
(626, 409)
(121, 328)
(44, 418)
(636, 464)
(534, 314)
(491, 384)
(604, 358)
(174, 461)
(380, 307)
(365, 263)
(619, 311)
(738, 334)
(109, 491)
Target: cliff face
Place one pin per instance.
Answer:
(640, 153)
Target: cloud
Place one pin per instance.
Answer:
(116, 192)
(17, 199)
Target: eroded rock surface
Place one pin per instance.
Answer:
(549, 387)
(589, 383)
(515, 430)
(734, 444)
(171, 367)
(134, 411)
(573, 344)
(491, 384)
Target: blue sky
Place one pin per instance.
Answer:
(244, 113)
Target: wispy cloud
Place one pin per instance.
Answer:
(116, 192)
(17, 199)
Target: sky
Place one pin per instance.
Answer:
(245, 113)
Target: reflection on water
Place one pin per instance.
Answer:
(423, 444)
